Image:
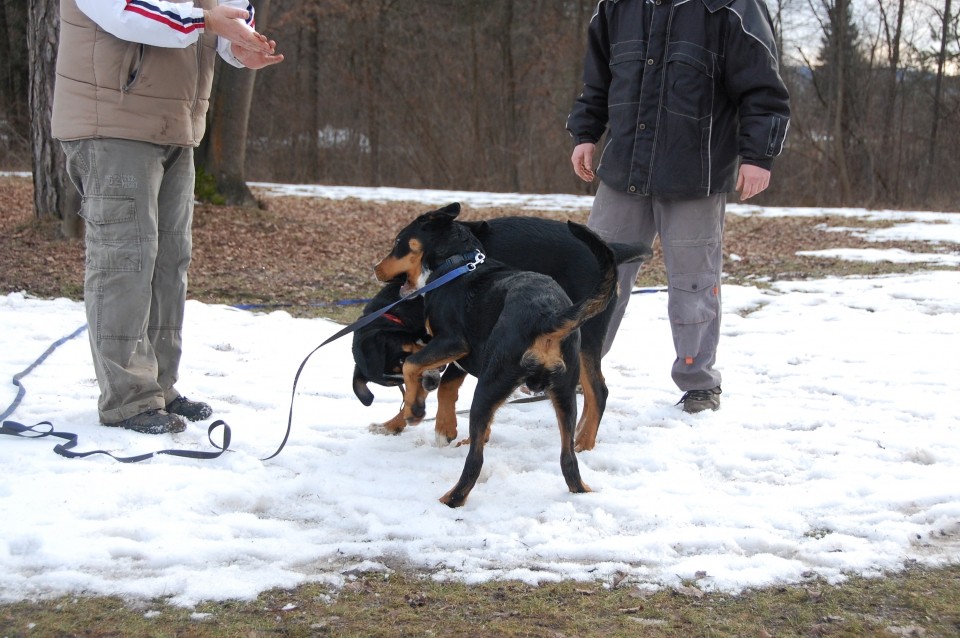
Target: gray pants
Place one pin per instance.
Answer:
(691, 233)
(137, 203)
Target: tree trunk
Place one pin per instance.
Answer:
(53, 194)
(510, 106)
(937, 99)
(888, 151)
(225, 152)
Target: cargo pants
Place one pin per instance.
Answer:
(691, 234)
(137, 205)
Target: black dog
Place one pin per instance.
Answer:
(505, 326)
(527, 243)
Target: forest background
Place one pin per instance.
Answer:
(474, 94)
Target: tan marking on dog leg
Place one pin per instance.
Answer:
(447, 395)
(586, 436)
(396, 424)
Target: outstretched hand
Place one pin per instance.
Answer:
(228, 23)
(255, 59)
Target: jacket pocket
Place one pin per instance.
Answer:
(627, 62)
(690, 71)
(112, 234)
(130, 68)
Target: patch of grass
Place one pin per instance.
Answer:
(205, 189)
(915, 602)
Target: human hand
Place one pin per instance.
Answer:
(752, 180)
(582, 160)
(255, 59)
(228, 23)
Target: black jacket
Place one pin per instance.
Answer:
(685, 87)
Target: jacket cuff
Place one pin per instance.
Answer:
(766, 163)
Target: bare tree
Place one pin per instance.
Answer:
(224, 152)
(889, 151)
(53, 194)
(946, 18)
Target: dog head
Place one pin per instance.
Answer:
(423, 244)
(380, 347)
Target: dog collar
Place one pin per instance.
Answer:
(471, 259)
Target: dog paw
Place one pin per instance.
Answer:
(441, 440)
(430, 380)
(382, 428)
(451, 500)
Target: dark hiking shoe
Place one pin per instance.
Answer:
(193, 410)
(699, 400)
(152, 422)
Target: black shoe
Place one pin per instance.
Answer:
(699, 400)
(152, 422)
(192, 410)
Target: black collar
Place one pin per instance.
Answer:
(453, 262)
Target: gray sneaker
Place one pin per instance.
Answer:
(192, 410)
(699, 400)
(152, 422)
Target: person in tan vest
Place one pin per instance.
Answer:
(132, 88)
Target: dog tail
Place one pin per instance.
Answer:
(575, 315)
(606, 288)
(544, 358)
(630, 253)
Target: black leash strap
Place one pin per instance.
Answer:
(64, 449)
(45, 428)
(16, 378)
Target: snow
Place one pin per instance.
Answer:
(836, 451)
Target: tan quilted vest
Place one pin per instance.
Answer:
(108, 87)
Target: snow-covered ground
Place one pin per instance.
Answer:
(836, 451)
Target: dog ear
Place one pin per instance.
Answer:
(360, 387)
(451, 209)
(440, 218)
(480, 228)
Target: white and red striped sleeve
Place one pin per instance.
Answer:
(153, 22)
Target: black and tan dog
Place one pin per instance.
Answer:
(527, 243)
(505, 326)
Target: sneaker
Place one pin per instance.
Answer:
(152, 422)
(699, 400)
(192, 410)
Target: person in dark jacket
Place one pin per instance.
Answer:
(691, 99)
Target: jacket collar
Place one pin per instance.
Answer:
(715, 5)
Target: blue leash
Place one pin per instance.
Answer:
(37, 431)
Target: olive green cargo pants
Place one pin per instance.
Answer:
(137, 203)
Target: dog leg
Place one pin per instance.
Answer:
(394, 425)
(486, 400)
(565, 404)
(445, 427)
(594, 402)
(434, 355)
